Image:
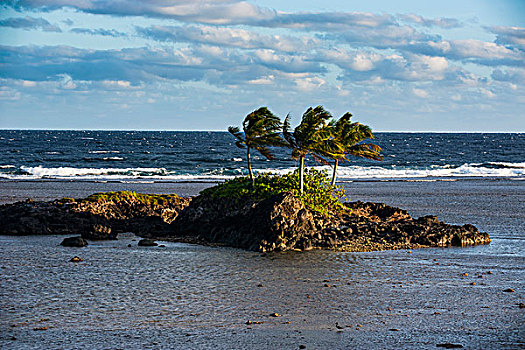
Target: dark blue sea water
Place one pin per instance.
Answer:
(198, 156)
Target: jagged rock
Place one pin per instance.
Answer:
(96, 218)
(74, 242)
(99, 232)
(282, 223)
(147, 243)
(278, 223)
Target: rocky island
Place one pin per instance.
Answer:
(277, 221)
(299, 211)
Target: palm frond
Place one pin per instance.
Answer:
(287, 132)
(265, 151)
(320, 159)
(236, 132)
(366, 150)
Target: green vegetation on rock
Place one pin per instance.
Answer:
(317, 194)
(126, 196)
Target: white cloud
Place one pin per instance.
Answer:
(9, 94)
(116, 83)
(263, 81)
(509, 36)
(309, 83)
(66, 82)
(420, 93)
(232, 37)
(29, 23)
(28, 83)
(487, 92)
(431, 22)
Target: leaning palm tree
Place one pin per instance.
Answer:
(312, 136)
(261, 129)
(350, 135)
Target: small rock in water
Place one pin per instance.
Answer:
(147, 243)
(509, 290)
(450, 346)
(260, 285)
(129, 245)
(302, 346)
(74, 242)
(76, 259)
(254, 322)
(521, 306)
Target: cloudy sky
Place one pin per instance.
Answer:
(204, 64)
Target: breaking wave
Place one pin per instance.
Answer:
(515, 170)
(434, 171)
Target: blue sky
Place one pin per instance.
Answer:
(203, 65)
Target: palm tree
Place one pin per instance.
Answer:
(261, 129)
(349, 135)
(312, 136)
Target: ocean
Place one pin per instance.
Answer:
(211, 156)
(185, 296)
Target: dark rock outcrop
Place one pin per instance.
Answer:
(99, 232)
(279, 223)
(74, 242)
(93, 218)
(146, 242)
(282, 223)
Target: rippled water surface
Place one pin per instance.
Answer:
(192, 297)
(183, 156)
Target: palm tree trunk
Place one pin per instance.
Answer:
(249, 163)
(335, 173)
(301, 173)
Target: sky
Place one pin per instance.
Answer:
(404, 65)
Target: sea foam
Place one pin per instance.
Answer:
(496, 169)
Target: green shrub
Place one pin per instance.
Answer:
(318, 195)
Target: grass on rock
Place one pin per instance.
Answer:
(126, 196)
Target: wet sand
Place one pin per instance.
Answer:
(192, 297)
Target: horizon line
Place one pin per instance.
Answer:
(195, 130)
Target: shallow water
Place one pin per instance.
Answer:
(192, 297)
